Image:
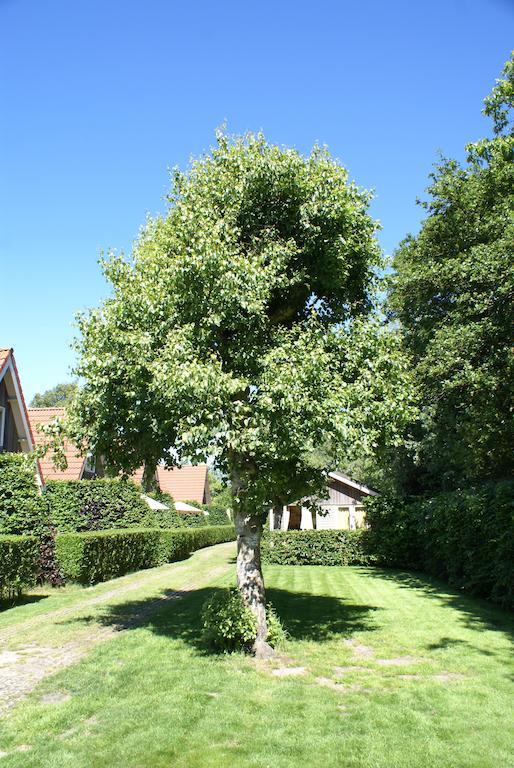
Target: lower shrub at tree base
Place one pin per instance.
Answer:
(18, 564)
(96, 556)
(228, 624)
(315, 548)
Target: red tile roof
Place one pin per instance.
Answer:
(4, 356)
(44, 416)
(185, 483)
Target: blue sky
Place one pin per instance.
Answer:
(98, 99)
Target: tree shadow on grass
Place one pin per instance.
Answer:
(23, 599)
(178, 615)
(475, 613)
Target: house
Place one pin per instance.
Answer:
(79, 467)
(15, 432)
(182, 483)
(185, 483)
(342, 507)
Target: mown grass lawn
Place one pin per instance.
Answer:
(397, 671)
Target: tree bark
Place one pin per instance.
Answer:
(249, 576)
(278, 511)
(149, 480)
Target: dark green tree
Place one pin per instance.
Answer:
(453, 294)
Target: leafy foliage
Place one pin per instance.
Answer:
(59, 396)
(316, 548)
(228, 624)
(196, 519)
(18, 564)
(229, 333)
(100, 555)
(89, 505)
(21, 510)
(48, 570)
(465, 537)
(453, 293)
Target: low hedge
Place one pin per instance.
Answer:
(315, 548)
(465, 537)
(96, 556)
(18, 564)
(101, 504)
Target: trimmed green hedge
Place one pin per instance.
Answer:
(315, 548)
(96, 556)
(18, 564)
(21, 510)
(102, 504)
(465, 537)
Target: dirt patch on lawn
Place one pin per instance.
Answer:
(358, 650)
(449, 677)
(288, 671)
(340, 671)
(327, 682)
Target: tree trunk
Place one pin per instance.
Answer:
(249, 576)
(278, 512)
(149, 480)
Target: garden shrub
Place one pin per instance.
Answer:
(315, 548)
(166, 518)
(228, 624)
(93, 556)
(465, 537)
(217, 516)
(21, 509)
(18, 564)
(102, 504)
(48, 570)
(195, 519)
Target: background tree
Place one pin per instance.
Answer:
(59, 396)
(237, 333)
(453, 294)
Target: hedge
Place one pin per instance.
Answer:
(102, 504)
(18, 564)
(21, 510)
(96, 556)
(315, 548)
(465, 537)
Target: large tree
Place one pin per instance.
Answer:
(453, 293)
(237, 332)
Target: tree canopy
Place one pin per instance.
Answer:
(453, 294)
(58, 396)
(238, 332)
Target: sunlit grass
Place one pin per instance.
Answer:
(397, 671)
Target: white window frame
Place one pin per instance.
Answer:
(2, 425)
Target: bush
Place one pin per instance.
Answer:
(18, 564)
(228, 624)
(95, 556)
(93, 505)
(217, 516)
(166, 518)
(21, 509)
(194, 519)
(315, 548)
(465, 537)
